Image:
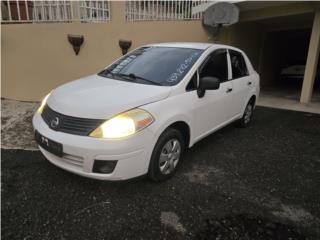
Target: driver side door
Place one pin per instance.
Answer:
(214, 109)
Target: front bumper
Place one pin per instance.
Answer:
(79, 152)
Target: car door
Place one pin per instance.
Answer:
(241, 80)
(214, 108)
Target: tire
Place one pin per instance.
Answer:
(247, 115)
(163, 162)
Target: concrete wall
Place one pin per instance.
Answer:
(38, 57)
(248, 36)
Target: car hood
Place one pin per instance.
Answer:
(101, 98)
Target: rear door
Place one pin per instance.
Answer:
(241, 80)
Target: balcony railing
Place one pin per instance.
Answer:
(162, 10)
(25, 11)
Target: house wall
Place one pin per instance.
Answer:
(38, 57)
(248, 36)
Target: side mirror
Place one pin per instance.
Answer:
(207, 83)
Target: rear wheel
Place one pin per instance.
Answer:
(247, 115)
(166, 155)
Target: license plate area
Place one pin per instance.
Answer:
(49, 145)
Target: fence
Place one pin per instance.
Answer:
(162, 10)
(54, 11)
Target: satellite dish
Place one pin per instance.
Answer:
(220, 14)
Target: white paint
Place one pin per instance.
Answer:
(295, 214)
(171, 219)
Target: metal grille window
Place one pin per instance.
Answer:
(162, 10)
(18, 11)
(52, 11)
(95, 10)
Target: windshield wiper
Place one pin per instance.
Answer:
(130, 76)
(133, 76)
(105, 72)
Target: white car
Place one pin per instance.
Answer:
(138, 115)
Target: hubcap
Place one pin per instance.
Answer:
(169, 156)
(248, 113)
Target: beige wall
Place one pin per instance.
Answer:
(38, 57)
(248, 36)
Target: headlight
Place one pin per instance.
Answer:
(43, 103)
(124, 124)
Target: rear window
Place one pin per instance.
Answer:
(238, 64)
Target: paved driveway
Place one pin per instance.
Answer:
(261, 182)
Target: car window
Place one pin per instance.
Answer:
(192, 85)
(165, 66)
(238, 64)
(216, 66)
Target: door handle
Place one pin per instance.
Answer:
(229, 90)
(249, 83)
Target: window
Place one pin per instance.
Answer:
(165, 66)
(239, 68)
(192, 85)
(216, 66)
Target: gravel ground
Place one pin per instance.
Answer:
(261, 182)
(16, 124)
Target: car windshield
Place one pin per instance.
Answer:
(165, 66)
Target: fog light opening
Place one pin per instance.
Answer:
(102, 166)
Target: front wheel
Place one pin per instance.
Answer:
(166, 155)
(247, 115)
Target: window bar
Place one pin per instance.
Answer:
(175, 9)
(188, 11)
(180, 16)
(34, 13)
(27, 9)
(161, 9)
(127, 15)
(9, 10)
(166, 10)
(152, 10)
(65, 10)
(71, 10)
(191, 5)
(103, 11)
(157, 10)
(42, 12)
(130, 11)
(80, 11)
(139, 9)
(144, 10)
(182, 10)
(18, 9)
(90, 6)
(172, 9)
(195, 16)
(147, 9)
(58, 11)
(109, 10)
(50, 12)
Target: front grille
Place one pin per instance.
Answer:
(73, 125)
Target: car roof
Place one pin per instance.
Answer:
(194, 45)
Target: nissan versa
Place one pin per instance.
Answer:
(138, 115)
